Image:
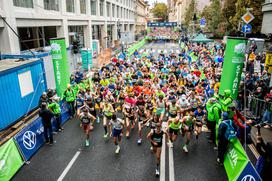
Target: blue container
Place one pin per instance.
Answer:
(21, 85)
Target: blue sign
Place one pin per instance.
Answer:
(31, 138)
(247, 28)
(203, 21)
(64, 112)
(162, 24)
(249, 174)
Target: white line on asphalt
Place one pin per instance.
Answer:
(171, 165)
(163, 153)
(70, 164)
(162, 164)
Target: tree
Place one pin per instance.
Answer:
(214, 18)
(189, 14)
(160, 10)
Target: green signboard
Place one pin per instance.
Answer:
(235, 160)
(10, 160)
(87, 60)
(233, 65)
(60, 63)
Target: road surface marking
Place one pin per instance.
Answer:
(162, 164)
(70, 164)
(171, 165)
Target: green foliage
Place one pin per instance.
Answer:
(161, 11)
(223, 18)
(189, 14)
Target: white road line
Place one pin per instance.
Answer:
(171, 165)
(70, 164)
(163, 152)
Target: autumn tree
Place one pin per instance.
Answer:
(189, 14)
(160, 11)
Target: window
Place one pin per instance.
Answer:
(23, 3)
(118, 12)
(113, 10)
(70, 6)
(101, 7)
(25, 82)
(108, 9)
(51, 5)
(93, 7)
(83, 6)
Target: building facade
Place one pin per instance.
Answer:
(36, 21)
(267, 17)
(141, 16)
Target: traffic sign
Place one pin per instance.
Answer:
(248, 17)
(203, 21)
(247, 28)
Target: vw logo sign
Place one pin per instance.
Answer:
(248, 178)
(29, 140)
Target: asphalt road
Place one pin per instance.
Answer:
(136, 163)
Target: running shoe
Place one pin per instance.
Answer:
(185, 149)
(157, 172)
(98, 120)
(117, 149)
(106, 135)
(151, 148)
(87, 143)
(139, 141)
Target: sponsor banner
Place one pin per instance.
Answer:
(31, 138)
(87, 59)
(233, 66)
(162, 24)
(10, 160)
(235, 160)
(268, 61)
(60, 64)
(95, 46)
(249, 174)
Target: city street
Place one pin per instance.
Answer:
(70, 160)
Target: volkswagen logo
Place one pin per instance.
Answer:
(248, 178)
(29, 140)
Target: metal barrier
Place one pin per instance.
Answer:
(257, 107)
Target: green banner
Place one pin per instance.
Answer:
(10, 160)
(136, 46)
(233, 65)
(87, 59)
(60, 63)
(235, 160)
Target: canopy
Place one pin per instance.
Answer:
(201, 38)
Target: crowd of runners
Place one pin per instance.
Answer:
(164, 93)
(172, 95)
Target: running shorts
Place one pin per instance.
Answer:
(116, 132)
(173, 131)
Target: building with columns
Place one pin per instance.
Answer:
(267, 17)
(141, 16)
(36, 21)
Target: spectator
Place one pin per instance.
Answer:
(46, 116)
(43, 99)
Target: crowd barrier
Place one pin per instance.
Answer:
(257, 107)
(24, 145)
(136, 46)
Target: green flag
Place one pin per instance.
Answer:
(10, 160)
(233, 66)
(60, 63)
(235, 160)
